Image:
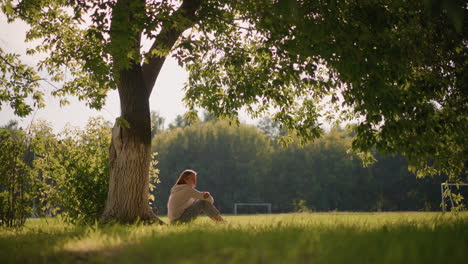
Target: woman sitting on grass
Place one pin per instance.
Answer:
(185, 203)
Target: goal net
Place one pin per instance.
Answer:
(453, 196)
(252, 208)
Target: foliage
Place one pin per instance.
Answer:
(79, 68)
(207, 116)
(153, 179)
(455, 196)
(179, 121)
(300, 206)
(15, 178)
(72, 170)
(271, 129)
(287, 238)
(19, 83)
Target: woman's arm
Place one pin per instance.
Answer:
(208, 197)
(195, 194)
(201, 195)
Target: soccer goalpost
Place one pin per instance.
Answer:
(267, 205)
(443, 187)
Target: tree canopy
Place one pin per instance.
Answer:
(396, 67)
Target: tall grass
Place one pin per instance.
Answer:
(286, 238)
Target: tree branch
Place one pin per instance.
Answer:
(167, 38)
(29, 80)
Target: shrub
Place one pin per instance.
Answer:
(15, 199)
(300, 206)
(72, 171)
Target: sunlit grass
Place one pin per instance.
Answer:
(283, 238)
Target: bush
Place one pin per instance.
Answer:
(72, 171)
(300, 206)
(15, 199)
(65, 174)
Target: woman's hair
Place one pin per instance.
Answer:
(184, 175)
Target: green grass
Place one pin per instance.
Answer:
(285, 238)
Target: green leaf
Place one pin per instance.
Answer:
(121, 122)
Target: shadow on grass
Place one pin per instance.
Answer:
(59, 243)
(34, 246)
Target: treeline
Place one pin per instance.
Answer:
(44, 173)
(244, 164)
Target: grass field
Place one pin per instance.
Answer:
(284, 238)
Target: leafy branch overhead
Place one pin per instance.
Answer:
(19, 83)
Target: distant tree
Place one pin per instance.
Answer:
(157, 123)
(11, 125)
(271, 128)
(207, 117)
(179, 121)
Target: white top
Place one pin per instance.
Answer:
(182, 197)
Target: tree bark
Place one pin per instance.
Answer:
(130, 150)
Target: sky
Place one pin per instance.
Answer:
(166, 97)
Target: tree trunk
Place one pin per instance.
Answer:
(130, 154)
(130, 151)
